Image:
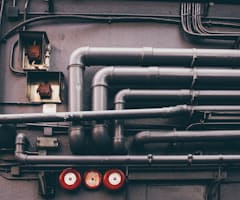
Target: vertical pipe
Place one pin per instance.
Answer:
(75, 103)
(100, 133)
(118, 138)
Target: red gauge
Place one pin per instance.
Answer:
(92, 179)
(114, 179)
(70, 179)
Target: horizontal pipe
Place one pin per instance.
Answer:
(185, 136)
(178, 96)
(21, 156)
(94, 115)
(114, 114)
(88, 56)
(220, 97)
(148, 56)
(179, 78)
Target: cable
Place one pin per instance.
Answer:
(191, 24)
(14, 3)
(87, 19)
(111, 19)
(1, 11)
(11, 65)
(26, 5)
(199, 22)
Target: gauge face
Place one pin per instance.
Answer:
(92, 179)
(70, 179)
(114, 179)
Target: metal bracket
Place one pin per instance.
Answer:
(47, 143)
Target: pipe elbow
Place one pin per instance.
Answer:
(121, 96)
(21, 157)
(22, 140)
(78, 56)
(102, 76)
(77, 139)
(100, 137)
(21, 143)
(141, 136)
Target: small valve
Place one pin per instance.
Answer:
(45, 90)
(34, 53)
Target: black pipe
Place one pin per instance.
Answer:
(185, 136)
(162, 77)
(88, 56)
(21, 156)
(180, 96)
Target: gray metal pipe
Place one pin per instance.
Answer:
(148, 56)
(75, 104)
(21, 156)
(181, 96)
(185, 136)
(96, 115)
(164, 77)
(114, 114)
(224, 97)
(89, 56)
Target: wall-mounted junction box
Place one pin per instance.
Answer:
(45, 87)
(34, 50)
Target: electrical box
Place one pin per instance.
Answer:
(34, 50)
(45, 87)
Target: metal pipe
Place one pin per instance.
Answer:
(114, 114)
(21, 156)
(148, 56)
(164, 77)
(95, 115)
(178, 96)
(182, 96)
(185, 136)
(75, 104)
(88, 56)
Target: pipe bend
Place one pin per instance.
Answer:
(21, 143)
(21, 139)
(121, 95)
(102, 76)
(78, 56)
(141, 136)
(21, 157)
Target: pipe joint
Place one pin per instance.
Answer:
(121, 96)
(79, 56)
(21, 139)
(102, 76)
(76, 65)
(21, 144)
(147, 56)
